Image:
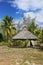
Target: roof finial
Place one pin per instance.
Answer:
(25, 28)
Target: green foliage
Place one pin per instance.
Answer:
(9, 43)
(8, 31)
(37, 32)
(7, 28)
(40, 36)
(25, 43)
(19, 42)
(32, 26)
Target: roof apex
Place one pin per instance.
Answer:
(25, 29)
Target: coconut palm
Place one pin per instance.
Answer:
(7, 27)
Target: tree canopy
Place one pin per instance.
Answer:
(7, 27)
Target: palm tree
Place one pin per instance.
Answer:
(7, 27)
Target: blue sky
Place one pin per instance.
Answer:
(18, 8)
(6, 9)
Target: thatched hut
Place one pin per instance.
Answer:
(24, 35)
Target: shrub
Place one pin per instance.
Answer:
(19, 42)
(26, 42)
(9, 43)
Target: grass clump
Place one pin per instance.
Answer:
(6, 43)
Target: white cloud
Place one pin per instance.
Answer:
(17, 20)
(26, 5)
(31, 14)
(17, 12)
(39, 16)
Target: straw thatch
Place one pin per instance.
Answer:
(25, 35)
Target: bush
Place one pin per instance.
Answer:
(9, 43)
(19, 42)
(26, 42)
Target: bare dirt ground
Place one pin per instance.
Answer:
(20, 56)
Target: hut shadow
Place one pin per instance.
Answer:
(21, 47)
(39, 47)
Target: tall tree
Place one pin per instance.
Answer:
(7, 27)
(40, 36)
(19, 26)
(26, 21)
(32, 26)
(30, 23)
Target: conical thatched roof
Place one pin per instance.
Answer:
(25, 34)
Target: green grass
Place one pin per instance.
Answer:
(20, 56)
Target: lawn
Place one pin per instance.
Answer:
(20, 56)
